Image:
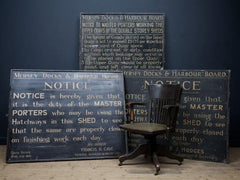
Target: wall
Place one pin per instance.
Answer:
(200, 34)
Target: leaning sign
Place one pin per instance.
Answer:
(121, 41)
(202, 129)
(63, 115)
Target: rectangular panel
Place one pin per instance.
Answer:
(62, 115)
(121, 41)
(202, 127)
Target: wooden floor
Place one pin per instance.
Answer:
(109, 169)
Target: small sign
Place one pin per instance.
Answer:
(203, 123)
(64, 115)
(121, 41)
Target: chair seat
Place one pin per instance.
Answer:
(145, 128)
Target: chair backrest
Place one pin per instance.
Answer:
(161, 96)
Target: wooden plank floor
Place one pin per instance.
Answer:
(109, 170)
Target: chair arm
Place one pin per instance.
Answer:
(130, 105)
(170, 106)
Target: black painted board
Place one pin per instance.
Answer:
(65, 115)
(121, 41)
(203, 122)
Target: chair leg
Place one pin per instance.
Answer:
(172, 156)
(156, 163)
(163, 151)
(140, 150)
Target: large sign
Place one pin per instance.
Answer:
(202, 127)
(121, 41)
(64, 115)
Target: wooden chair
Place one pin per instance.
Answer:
(163, 109)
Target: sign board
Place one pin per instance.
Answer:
(121, 41)
(64, 115)
(203, 123)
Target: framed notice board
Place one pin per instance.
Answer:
(64, 115)
(203, 123)
(121, 41)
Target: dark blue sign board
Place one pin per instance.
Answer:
(122, 41)
(203, 123)
(64, 115)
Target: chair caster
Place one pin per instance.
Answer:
(180, 162)
(157, 169)
(157, 172)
